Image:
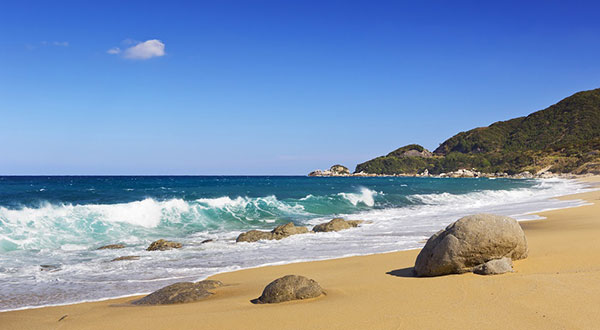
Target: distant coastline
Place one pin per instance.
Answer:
(342, 171)
(561, 139)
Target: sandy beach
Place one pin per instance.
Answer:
(556, 287)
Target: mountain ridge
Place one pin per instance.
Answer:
(564, 137)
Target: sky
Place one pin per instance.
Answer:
(272, 87)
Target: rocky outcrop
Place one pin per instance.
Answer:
(588, 168)
(339, 169)
(111, 247)
(182, 292)
(126, 258)
(469, 242)
(278, 233)
(162, 245)
(494, 267)
(290, 287)
(336, 224)
(335, 170)
(462, 173)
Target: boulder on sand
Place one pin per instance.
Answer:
(182, 292)
(162, 245)
(279, 232)
(289, 287)
(469, 242)
(336, 224)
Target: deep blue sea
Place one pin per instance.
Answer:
(60, 221)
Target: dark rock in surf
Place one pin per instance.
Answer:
(337, 224)
(126, 258)
(278, 233)
(111, 247)
(162, 245)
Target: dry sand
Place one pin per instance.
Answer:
(556, 287)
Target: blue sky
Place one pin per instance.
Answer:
(272, 87)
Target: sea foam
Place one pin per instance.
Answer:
(66, 235)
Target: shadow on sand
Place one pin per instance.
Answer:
(403, 272)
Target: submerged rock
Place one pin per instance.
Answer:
(111, 247)
(182, 292)
(469, 242)
(50, 268)
(278, 233)
(207, 241)
(494, 267)
(336, 224)
(290, 287)
(162, 245)
(126, 258)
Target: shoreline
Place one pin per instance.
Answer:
(35, 314)
(525, 216)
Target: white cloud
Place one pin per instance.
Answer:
(55, 43)
(114, 51)
(145, 50)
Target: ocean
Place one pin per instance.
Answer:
(51, 227)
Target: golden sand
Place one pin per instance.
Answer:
(556, 287)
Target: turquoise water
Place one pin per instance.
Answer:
(60, 221)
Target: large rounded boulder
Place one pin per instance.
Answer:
(469, 242)
(289, 287)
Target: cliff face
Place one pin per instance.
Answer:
(564, 137)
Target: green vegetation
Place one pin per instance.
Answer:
(400, 151)
(565, 136)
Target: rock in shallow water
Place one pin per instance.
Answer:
(336, 224)
(469, 242)
(182, 292)
(126, 258)
(290, 287)
(288, 229)
(111, 247)
(279, 232)
(162, 245)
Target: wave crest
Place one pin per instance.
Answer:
(365, 196)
